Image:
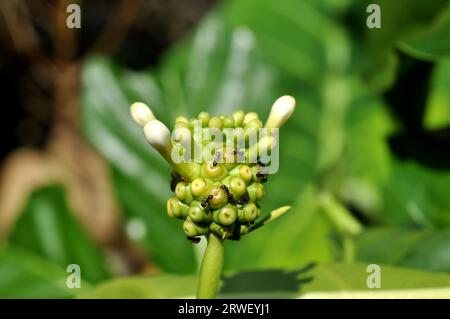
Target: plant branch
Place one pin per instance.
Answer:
(211, 268)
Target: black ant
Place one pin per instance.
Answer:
(176, 178)
(261, 176)
(229, 195)
(262, 173)
(244, 200)
(205, 201)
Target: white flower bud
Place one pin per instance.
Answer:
(141, 113)
(282, 110)
(158, 136)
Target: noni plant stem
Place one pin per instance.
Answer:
(211, 268)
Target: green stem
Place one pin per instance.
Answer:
(211, 268)
(348, 248)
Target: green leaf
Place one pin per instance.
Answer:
(350, 281)
(400, 20)
(157, 286)
(433, 42)
(416, 195)
(48, 227)
(139, 174)
(324, 280)
(300, 236)
(423, 249)
(438, 105)
(26, 275)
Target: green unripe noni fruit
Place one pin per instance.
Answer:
(214, 171)
(192, 229)
(228, 122)
(183, 192)
(256, 192)
(218, 197)
(243, 171)
(238, 117)
(181, 125)
(181, 119)
(217, 229)
(198, 187)
(204, 118)
(249, 117)
(248, 213)
(237, 186)
(197, 212)
(225, 216)
(253, 124)
(215, 122)
(176, 209)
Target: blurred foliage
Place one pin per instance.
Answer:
(25, 275)
(48, 228)
(353, 198)
(323, 279)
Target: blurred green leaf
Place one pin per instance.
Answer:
(432, 42)
(157, 286)
(48, 227)
(423, 249)
(300, 236)
(400, 19)
(302, 47)
(316, 281)
(375, 49)
(350, 281)
(438, 105)
(138, 170)
(26, 275)
(416, 195)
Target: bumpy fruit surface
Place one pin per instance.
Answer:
(224, 196)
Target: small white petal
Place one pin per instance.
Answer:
(158, 136)
(141, 113)
(282, 110)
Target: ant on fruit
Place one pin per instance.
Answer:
(244, 200)
(262, 172)
(229, 195)
(176, 178)
(205, 201)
